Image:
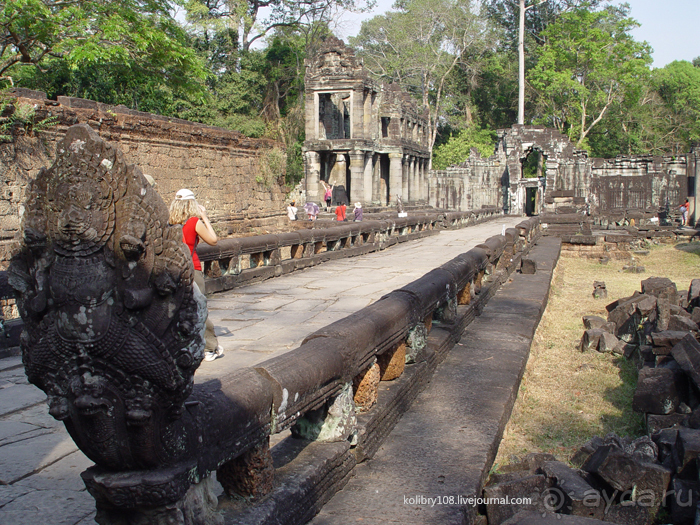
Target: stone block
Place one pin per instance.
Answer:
(656, 391)
(593, 321)
(529, 487)
(588, 448)
(607, 343)
(656, 422)
(682, 323)
(392, 363)
(682, 500)
(629, 513)
(686, 452)
(365, 386)
(667, 339)
(627, 474)
(663, 313)
(694, 293)
(575, 489)
(661, 287)
(591, 339)
(687, 354)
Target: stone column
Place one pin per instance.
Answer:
(357, 176)
(406, 174)
(313, 169)
(377, 181)
(415, 184)
(395, 177)
(368, 182)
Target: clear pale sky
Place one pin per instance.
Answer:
(672, 27)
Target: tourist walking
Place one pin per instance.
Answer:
(358, 212)
(340, 212)
(195, 226)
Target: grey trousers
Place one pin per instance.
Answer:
(210, 340)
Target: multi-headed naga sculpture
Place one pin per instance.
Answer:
(112, 322)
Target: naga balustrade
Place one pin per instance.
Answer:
(241, 260)
(113, 334)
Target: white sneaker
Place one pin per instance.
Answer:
(209, 356)
(219, 351)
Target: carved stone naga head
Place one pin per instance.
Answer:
(113, 324)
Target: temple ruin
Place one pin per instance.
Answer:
(371, 139)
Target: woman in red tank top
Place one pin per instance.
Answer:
(195, 226)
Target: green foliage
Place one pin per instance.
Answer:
(678, 86)
(589, 63)
(458, 147)
(15, 117)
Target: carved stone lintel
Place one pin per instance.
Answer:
(250, 475)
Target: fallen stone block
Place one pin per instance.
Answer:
(530, 487)
(591, 339)
(588, 448)
(682, 500)
(681, 323)
(678, 310)
(667, 338)
(695, 315)
(551, 518)
(593, 321)
(656, 422)
(694, 293)
(686, 352)
(686, 452)
(576, 491)
(629, 513)
(599, 290)
(607, 343)
(661, 287)
(656, 391)
(663, 313)
(631, 477)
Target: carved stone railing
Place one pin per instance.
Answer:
(241, 260)
(113, 335)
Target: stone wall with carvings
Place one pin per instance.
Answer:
(222, 167)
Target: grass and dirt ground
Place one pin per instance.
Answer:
(566, 396)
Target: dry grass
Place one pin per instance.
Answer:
(566, 397)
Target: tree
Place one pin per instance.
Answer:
(459, 146)
(420, 45)
(588, 63)
(244, 16)
(138, 34)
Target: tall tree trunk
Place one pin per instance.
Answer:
(521, 64)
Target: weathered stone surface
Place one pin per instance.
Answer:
(528, 267)
(623, 473)
(682, 323)
(686, 451)
(550, 518)
(694, 293)
(661, 287)
(249, 475)
(365, 386)
(656, 422)
(629, 513)
(392, 363)
(335, 421)
(667, 339)
(683, 499)
(591, 339)
(599, 290)
(574, 487)
(529, 487)
(687, 354)
(593, 321)
(656, 391)
(607, 343)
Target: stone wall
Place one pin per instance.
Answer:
(222, 167)
(569, 181)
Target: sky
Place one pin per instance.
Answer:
(670, 26)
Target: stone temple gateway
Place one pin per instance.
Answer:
(369, 138)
